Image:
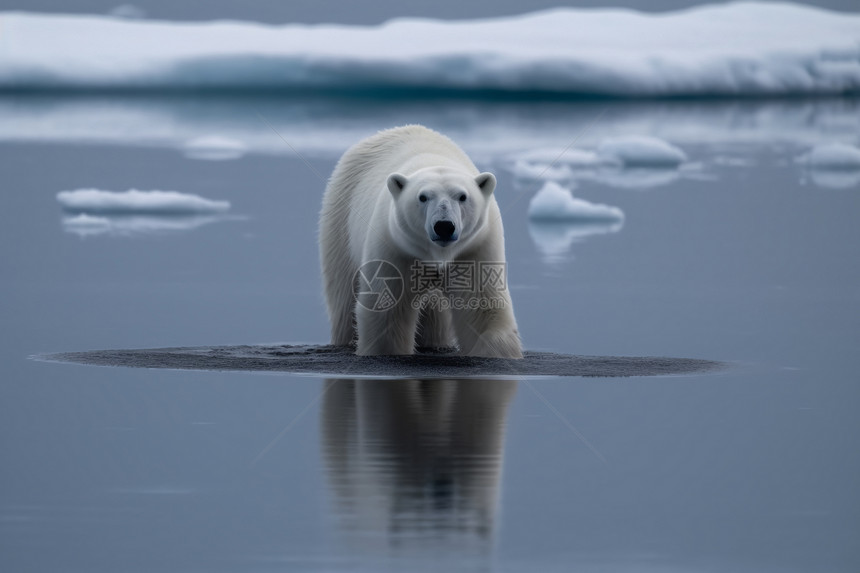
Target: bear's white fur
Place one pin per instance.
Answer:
(411, 197)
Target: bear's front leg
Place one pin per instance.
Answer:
(490, 330)
(434, 327)
(386, 332)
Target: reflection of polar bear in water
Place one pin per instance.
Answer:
(411, 460)
(410, 197)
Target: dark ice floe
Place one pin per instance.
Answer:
(342, 361)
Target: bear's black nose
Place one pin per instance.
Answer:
(445, 230)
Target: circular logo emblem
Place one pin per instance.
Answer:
(380, 285)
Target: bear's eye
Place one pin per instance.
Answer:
(462, 198)
(422, 198)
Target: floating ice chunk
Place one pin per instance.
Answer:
(641, 151)
(214, 148)
(557, 220)
(85, 225)
(555, 203)
(138, 202)
(626, 161)
(133, 212)
(832, 156)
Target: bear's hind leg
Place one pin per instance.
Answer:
(340, 301)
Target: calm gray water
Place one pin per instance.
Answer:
(742, 255)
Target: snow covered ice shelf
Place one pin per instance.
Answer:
(725, 49)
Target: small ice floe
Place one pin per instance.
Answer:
(640, 162)
(629, 161)
(556, 203)
(91, 212)
(833, 165)
(214, 148)
(138, 202)
(557, 219)
(641, 151)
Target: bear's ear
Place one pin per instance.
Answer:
(486, 183)
(396, 183)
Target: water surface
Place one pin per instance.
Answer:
(741, 256)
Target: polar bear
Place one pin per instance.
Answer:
(413, 251)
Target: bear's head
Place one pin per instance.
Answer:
(439, 210)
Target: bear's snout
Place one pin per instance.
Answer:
(444, 230)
